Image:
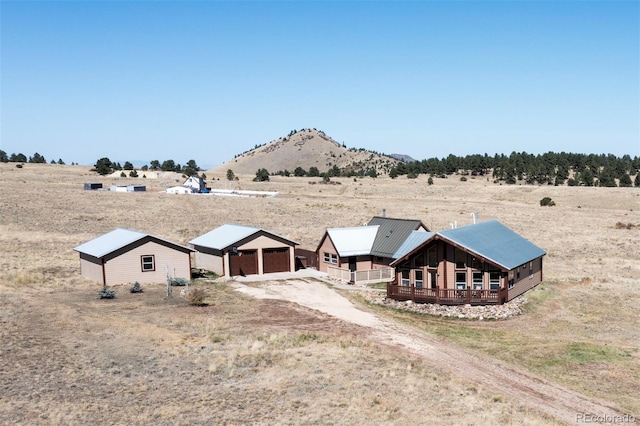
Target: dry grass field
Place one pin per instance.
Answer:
(68, 357)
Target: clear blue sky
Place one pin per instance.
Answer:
(206, 80)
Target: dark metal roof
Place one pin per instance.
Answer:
(495, 242)
(392, 233)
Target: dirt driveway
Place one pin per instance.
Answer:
(546, 397)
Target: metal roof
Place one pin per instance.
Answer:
(495, 242)
(392, 234)
(229, 234)
(415, 239)
(114, 240)
(355, 241)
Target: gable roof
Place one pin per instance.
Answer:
(392, 234)
(117, 239)
(490, 240)
(228, 235)
(355, 241)
(414, 240)
(495, 242)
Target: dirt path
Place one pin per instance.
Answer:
(546, 397)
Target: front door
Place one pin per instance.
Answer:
(352, 268)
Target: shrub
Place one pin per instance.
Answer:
(106, 293)
(137, 288)
(463, 179)
(546, 201)
(430, 181)
(195, 296)
(178, 281)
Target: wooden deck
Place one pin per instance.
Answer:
(446, 296)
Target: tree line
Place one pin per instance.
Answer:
(21, 158)
(104, 166)
(542, 169)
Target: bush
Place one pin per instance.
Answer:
(106, 293)
(137, 288)
(180, 282)
(546, 201)
(195, 296)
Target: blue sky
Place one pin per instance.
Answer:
(206, 80)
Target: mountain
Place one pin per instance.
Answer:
(307, 148)
(403, 157)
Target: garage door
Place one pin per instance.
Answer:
(245, 262)
(276, 260)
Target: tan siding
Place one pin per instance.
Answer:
(262, 242)
(210, 262)
(91, 270)
(127, 267)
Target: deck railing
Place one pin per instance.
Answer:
(445, 296)
(371, 276)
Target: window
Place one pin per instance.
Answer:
(494, 281)
(432, 257)
(530, 269)
(405, 277)
(478, 280)
(461, 280)
(419, 281)
(511, 280)
(461, 259)
(518, 273)
(148, 263)
(476, 263)
(418, 261)
(433, 277)
(330, 258)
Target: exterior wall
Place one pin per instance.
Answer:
(91, 268)
(210, 262)
(127, 267)
(327, 247)
(526, 281)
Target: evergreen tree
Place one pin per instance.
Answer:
(103, 166)
(262, 175)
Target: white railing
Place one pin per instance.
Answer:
(370, 276)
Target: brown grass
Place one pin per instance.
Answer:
(141, 358)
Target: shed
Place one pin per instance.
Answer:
(232, 250)
(92, 186)
(124, 256)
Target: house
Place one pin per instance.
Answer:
(124, 256)
(232, 250)
(364, 253)
(180, 190)
(196, 183)
(483, 263)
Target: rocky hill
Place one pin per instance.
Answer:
(307, 148)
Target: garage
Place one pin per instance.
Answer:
(276, 260)
(243, 263)
(234, 250)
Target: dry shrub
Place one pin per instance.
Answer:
(196, 296)
(621, 225)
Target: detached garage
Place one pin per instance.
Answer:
(238, 250)
(125, 256)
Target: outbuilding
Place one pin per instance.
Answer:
(125, 256)
(238, 250)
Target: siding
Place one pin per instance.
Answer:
(326, 247)
(210, 262)
(526, 282)
(127, 268)
(91, 268)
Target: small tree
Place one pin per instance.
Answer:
(106, 293)
(546, 201)
(230, 175)
(133, 174)
(137, 288)
(430, 181)
(103, 166)
(262, 175)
